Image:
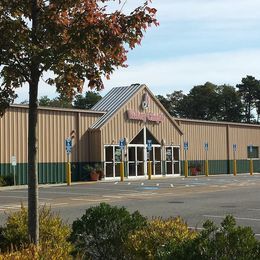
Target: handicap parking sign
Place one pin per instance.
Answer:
(68, 145)
(122, 144)
(149, 145)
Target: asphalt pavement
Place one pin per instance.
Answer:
(195, 199)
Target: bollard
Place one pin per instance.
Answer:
(207, 168)
(186, 168)
(235, 167)
(68, 174)
(149, 170)
(251, 167)
(121, 171)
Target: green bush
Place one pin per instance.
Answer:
(227, 242)
(7, 180)
(102, 231)
(54, 233)
(2, 182)
(159, 238)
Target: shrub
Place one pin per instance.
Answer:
(224, 243)
(44, 251)
(229, 241)
(53, 232)
(2, 182)
(159, 238)
(6, 180)
(103, 230)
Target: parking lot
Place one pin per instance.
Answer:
(195, 198)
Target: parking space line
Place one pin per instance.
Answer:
(89, 200)
(10, 206)
(112, 196)
(59, 204)
(23, 197)
(139, 194)
(238, 218)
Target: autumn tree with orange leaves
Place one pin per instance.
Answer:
(78, 40)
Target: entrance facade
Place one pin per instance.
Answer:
(135, 156)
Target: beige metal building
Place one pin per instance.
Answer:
(129, 124)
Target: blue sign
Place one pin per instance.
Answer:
(68, 145)
(149, 145)
(186, 146)
(234, 147)
(206, 146)
(122, 144)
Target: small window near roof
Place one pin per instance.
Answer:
(252, 152)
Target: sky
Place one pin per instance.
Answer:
(197, 41)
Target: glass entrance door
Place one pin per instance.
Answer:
(135, 160)
(113, 157)
(132, 161)
(172, 160)
(140, 160)
(157, 166)
(169, 160)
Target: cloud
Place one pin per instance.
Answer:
(165, 76)
(210, 10)
(182, 73)
(197, 41)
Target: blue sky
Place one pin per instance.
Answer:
(197, 41)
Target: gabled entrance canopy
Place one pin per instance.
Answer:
(139, 139)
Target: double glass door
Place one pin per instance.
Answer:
(136, 160)
(165, 160)
(172, 162)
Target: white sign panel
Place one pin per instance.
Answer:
(13, 160)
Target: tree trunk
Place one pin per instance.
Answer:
(33, 216)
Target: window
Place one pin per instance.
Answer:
(252, 152)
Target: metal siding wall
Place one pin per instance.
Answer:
(119, 126)
(197, 133)
(95, 149)
(243, 136)
(85, 121)
(53, 127)
(12, 143)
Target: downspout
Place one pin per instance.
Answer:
(78, 144)
(227, 147)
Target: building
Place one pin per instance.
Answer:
(122, 127)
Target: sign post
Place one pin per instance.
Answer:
(206, 147)
(13, 160)
(186, 147)
(68, 146)
(234, 159)
(251, 166)
(122, 147)
(149, 149)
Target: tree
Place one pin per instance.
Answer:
(63, 102)
(172, 102)
(87, 102)
(175, 100)
(247, 90)
(77, 40)
(165, 102)
(230, 105)
(200, 103)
